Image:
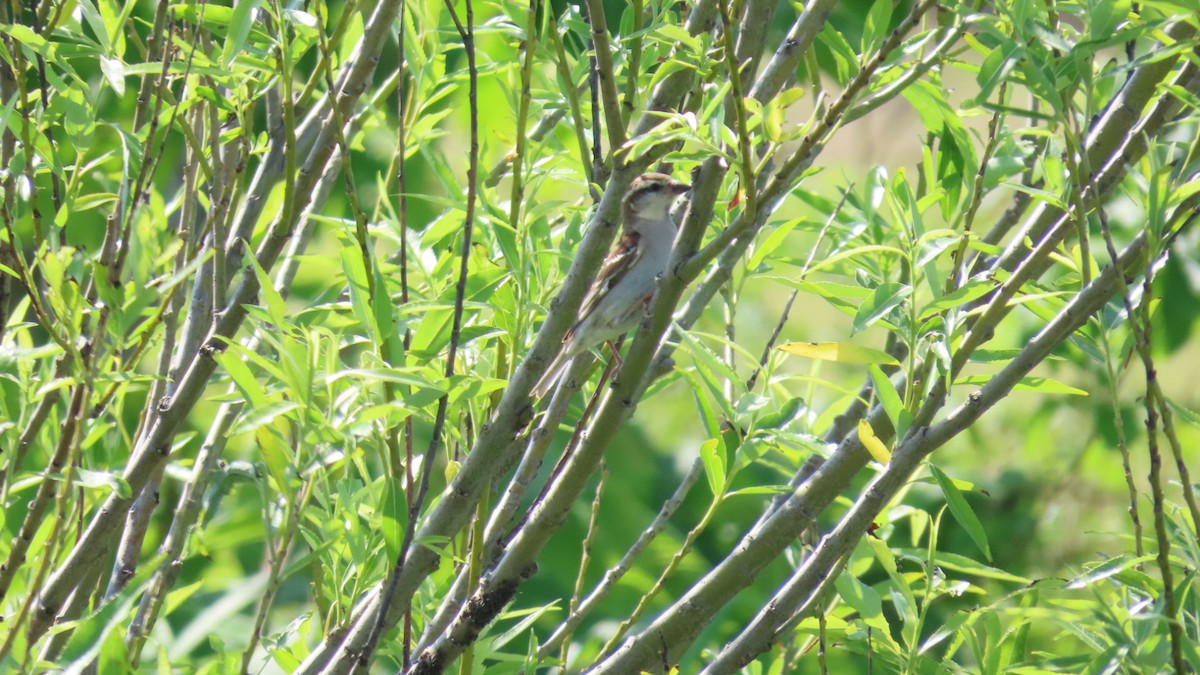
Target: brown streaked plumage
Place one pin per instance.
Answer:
(626, 280)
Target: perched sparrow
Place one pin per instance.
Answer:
(625, 284)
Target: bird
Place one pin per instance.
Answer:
(625, 284)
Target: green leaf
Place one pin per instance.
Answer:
(840, 296)
(92, 16)
(884, 299)
(276, 307)
(711, 368)
(781, 416)
(1190, 416)
(771, 243)
(966, 293)
(114, 72)
(1041, 82)
(27, 37)
(394, 518)
(89, 635)
(761, 490)
(232, 361)
(776, 117)
(964, 565)
(275, 454)
(94, 479)
(905, 601)
(889, 398)
(714, 465)
(1043, 385)
(385, 321)
(995, 68)
(114, 655)
(844, 57)
(260, 415)
(863, 599)
(177, 597)
(239, 29)
(359, 288)
(879, 19)
(962, 511)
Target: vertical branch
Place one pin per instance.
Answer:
(39, 18)
(277, 559)
(562, 634)
(572, 93)
(633, 63)
(585, 555)
(517, 196)
(745, 151)
(402, 189)
(598, 170)
(953, 280)
(518, 177)
(50, 489)
(1163, 557)
(1140, 324)
(467, 34)
(36, 509)
(29, 115)
(608, 82)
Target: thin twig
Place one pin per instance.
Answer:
(467, 35)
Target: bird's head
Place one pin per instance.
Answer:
(650, 197)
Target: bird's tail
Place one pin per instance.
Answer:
(553, 371)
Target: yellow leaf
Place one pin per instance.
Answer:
(842, 352)
(872, 443)
(452, 468)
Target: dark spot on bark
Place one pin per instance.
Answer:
(430, 662)
(481, 609)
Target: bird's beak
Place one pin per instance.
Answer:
(681, 188)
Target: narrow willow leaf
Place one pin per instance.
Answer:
(239, 29)
(886, 392)
(243, 379)
(275, 455)
(356, 280)
(841, 352)
(771, 243)
(255, 418)
(885, 298)
(879, 19)
(871, 442)
(962, 511)
(964, 294)
(863, 599)
(114, 73)
(93, 479)
(394, 518)
(714, 465)
(276, 307)
(903, 598)
(1044, 385)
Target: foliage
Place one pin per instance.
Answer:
(276, 280)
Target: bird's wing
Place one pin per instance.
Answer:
(620, 260)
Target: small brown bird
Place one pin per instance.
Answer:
(625, 283)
